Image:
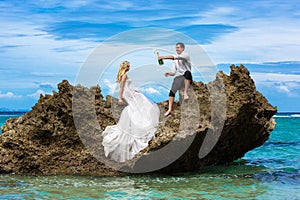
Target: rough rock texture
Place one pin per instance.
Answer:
(222, 121)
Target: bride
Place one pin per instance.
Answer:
(137, 123)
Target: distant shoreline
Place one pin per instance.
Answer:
(290, 113)
(12, 112)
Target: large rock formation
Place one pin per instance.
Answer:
(222, 121)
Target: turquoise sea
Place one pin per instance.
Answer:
(271, 171)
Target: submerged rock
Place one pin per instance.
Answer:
(220, 122)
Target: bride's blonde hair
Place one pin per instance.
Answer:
(122, 70)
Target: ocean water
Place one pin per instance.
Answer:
(6, 115)
(271, 171)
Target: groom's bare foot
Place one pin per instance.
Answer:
(186, 97)
(168, 113)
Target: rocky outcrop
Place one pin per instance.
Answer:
(220, 122)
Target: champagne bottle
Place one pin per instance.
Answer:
(160, 61)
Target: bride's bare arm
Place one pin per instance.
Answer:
(122, 84)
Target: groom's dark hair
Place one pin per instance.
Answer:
(181, 45)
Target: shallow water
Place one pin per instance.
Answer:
(271, 171)
(234, 182)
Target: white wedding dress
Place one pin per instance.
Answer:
(136, 127)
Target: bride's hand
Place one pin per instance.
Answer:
(167, 74)
(120, 101)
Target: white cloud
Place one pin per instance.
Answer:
(284, 88)
(9, 95)
(151, 91)
(258, 38)
(283, 83)
(217, 15)
(45, 86)
(288, 89)
(35, 53)
(111, 86)
(275, 77)
(36, 94)
(34, 44)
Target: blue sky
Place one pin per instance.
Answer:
(43, 41)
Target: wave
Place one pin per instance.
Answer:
(290, 115)
(281, 116)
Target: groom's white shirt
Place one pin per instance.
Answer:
(181, 63)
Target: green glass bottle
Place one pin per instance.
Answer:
(160, 61)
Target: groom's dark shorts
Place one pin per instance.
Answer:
(178, 82)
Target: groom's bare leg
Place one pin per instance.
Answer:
(171, 102)
(187, 81)
(186, 87)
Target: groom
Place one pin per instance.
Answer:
(182, 73)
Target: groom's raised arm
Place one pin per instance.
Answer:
(183, 56)
(166, 57)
